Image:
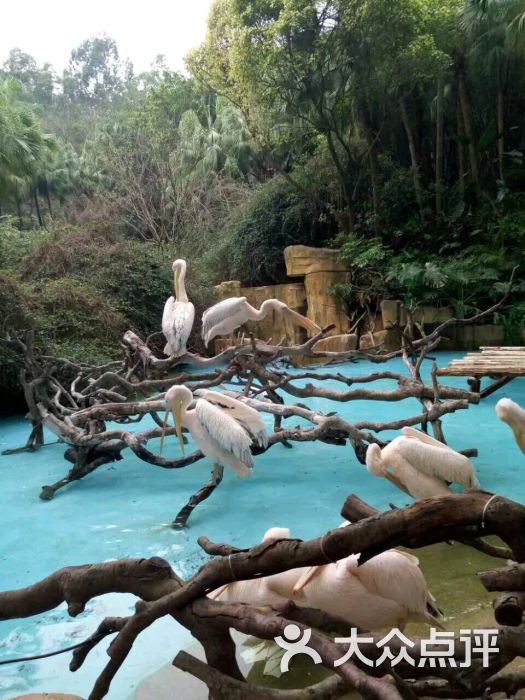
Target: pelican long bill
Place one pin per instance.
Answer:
(305, 578)
(177, 282)
(163, 431)
(177, 416)
(303, 321)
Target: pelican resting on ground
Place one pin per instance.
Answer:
(178, 315)
(513, 414)
(223, 318)
(222, 427)
(389, 590)
(421, 466)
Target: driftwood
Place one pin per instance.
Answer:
(77, 401)
(161, 592)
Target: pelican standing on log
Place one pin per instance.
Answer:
(178, 315)
(223, 318)
(222, 427)
(512, 413)
(421, 466)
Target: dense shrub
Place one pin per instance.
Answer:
(250, 247)
(80, 288)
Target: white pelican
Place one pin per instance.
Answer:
(511, 413)
(223, 318)
(265, 591)
(420, 465)
(224, 436)
(386, 591)
(178, 315)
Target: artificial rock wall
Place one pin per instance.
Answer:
(319, 269)
(315, 271)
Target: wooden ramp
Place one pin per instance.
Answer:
(489, 362)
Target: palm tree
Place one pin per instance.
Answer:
(222, 144)
(23, 146)
(497, 30)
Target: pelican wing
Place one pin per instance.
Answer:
(424, 437)
(244, 414)
(177, 322)
(225, 431)
(444, 464)
(220, 312)
(393, 575)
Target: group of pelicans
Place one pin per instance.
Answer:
(390, 589)
(221, 319)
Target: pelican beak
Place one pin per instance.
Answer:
(163, 430)
(177, 278)
(308, 575)
(215, 594)
(400, 485)
(177, 415)
(300, 320)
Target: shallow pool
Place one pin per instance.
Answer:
(125, 509)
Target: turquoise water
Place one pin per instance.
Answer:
(125, 509)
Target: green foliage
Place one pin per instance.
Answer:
(514, 325)
(391, 130)
(250, 248)
(23, 145)
(80, 288)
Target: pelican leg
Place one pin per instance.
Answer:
(201, 495)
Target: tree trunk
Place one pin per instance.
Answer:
(412, 148)
(439, 144)
(376, 196)
(19, 212)
(374, 172)
(37, 206)
(48, 200)
(467, 119)
(348, 211)
(461, 155)
(501, 126)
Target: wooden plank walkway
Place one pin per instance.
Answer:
(490, 361)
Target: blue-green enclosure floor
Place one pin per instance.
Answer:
(124, 510)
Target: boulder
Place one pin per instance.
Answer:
(228, 289)
(337, 343)
(386, 341)
(473, 337)
(375, 323)
(302, 260)
(323, 307)
(391, 313)
(433, 315)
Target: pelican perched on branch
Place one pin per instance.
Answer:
(513, 414)
(223, 318)
(389, 590)
(265, 591)
(222, 427)
(178, 315)
(420, 465)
